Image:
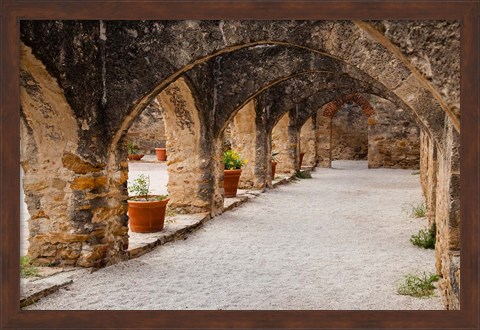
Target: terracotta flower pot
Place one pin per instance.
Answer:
(230, 182)
(135, 156)
(274, 166)
(147, 216)
(161, 154)
(301, 158)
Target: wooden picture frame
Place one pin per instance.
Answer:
(468, 12)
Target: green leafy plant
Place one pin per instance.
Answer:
(418, 285)
(26, 269)
(232, 160)
(419, 211)
(170, 212)
(425, 238)
(170, 215)
(303, 175)
(140, 189)
(132, 148)
(415, 172)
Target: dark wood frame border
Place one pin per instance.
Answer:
(14, 11)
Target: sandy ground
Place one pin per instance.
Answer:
(337, 241)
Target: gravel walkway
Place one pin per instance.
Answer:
(337, 241)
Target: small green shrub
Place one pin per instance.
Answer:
(140, 189)
(418, 285)
(132, 148)
(26, 269)
(419, 211)
(303, 175)
(170, 212)
(425, 238)
(232, 160)
(415, 172)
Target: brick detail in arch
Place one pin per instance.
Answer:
(331, 108)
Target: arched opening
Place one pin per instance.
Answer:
(347, 129)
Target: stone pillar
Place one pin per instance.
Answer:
(211, 189)
(263, 151)
(248, 138)
(75, 220)
(447, 218)
(428, 174)
(186, 165)
(285, 142)
(308, 143)
(423, 166)
(323, 137)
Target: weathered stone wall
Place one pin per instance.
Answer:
(393, 137)
(159, 57)
(323, 132)
(148, 131)
(447, 218)
(428, 174)
(243, 137)
(434, 48)
(185, 170)
(67, 224)
(308, 143)
(389, 133)
(281, 143)
(349, 135)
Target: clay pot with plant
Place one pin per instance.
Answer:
(146, 212)
(274, 163)
(161, 154)
(233, 164)
(133, 153)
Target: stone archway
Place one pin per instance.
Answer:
(186, 167)
(356, 140)
(100, 110)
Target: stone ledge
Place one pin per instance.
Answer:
(282, 180)
(33, 289)
(175, 228)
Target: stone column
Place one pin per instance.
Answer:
(263, 151)
(308, 143)
(428, 174)
(323, 137)
(75, 219)
(186, 165)
(285, 142)
(248, 138)
(447, 217)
